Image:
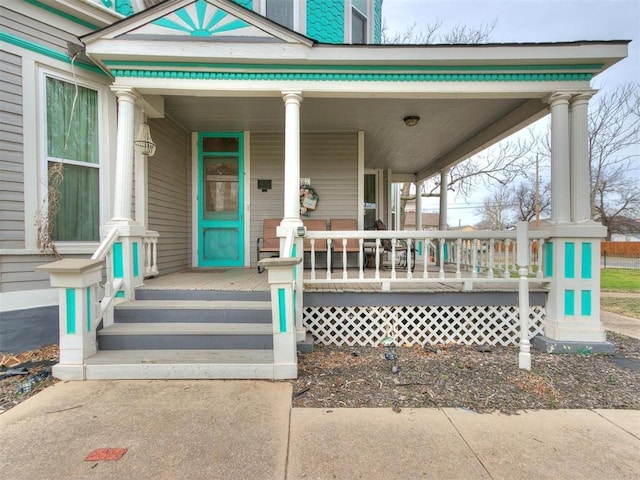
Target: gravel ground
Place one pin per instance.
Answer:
(17, 388)
(466, 377)
(439, 376)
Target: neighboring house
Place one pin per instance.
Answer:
(243, 99)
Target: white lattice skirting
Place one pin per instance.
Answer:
(419, 325)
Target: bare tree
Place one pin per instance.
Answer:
(614, 146)
(525, 205)
(495, 212)
(431, 34)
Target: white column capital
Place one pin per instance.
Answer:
(558, 98)
(582, 97)
(125, 94)
(292, 96)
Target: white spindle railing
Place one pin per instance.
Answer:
(150, 243)
(448, 256)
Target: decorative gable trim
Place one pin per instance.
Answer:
(216, 20)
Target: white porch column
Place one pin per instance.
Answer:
(291, 219)
(124, 156)
(444, 185)
(580, 168)
(418, 206)
(292, 102)
(560, 170)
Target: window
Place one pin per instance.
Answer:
(358, 21)
(280, 11)
(72, 149)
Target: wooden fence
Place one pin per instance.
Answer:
(620, 249)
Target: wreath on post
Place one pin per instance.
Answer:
(308, 200)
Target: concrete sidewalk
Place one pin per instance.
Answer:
(247, 430)
(615, 322)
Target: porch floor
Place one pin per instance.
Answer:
(249, 280)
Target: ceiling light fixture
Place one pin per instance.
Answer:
(411, 120)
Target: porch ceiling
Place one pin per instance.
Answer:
(449, 129)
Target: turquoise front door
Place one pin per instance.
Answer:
(220, 200)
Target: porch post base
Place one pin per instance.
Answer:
(306, 344)
(549, 345)
(285, 371)
(68, 372)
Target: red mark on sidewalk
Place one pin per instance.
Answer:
(106, 454)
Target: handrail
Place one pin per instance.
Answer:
(111, 289)
(106, 244)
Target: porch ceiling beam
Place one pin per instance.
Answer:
(153, 105)
(346, 89)
(524, 115)
(403, 177)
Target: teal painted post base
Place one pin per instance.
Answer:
(572, 266)
(76, 281)
(281, 281)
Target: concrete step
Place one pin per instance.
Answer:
(155, 294)
(191, 336)
(182, 364)
(193, 311)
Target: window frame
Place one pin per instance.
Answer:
(261, 8)
(43, 73)
(367, 16)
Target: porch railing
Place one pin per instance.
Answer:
(423, 256)
(150, 246)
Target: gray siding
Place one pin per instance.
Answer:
(330, 160)
(169, 191)
(18, 272)
(15, 23)
(11, 153)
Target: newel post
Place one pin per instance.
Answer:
(76, 280)
(283, 300)
(522, 247)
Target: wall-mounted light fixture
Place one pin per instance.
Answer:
(411, 120)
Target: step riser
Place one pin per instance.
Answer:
(142, 294)
(155, 315)
(185, 342)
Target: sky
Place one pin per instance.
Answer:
(529, 21)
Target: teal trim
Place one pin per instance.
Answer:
(325, 20)
(235, 224)
(377, 22)
(62, 14)
(120, 294)
(354, 77)
(124, 7)
(419, 247)
(34, 47)
(585, 303)
(118, 261)
(569, 260)
(548, 259)
(282, 311)
(445, 252)
(266, 67)
(569, 302)
(294, 251)
(88, 309)
(136, 266)
(585, 270)
(71, 311)
(248, 4)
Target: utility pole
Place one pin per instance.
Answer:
(537, 192)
